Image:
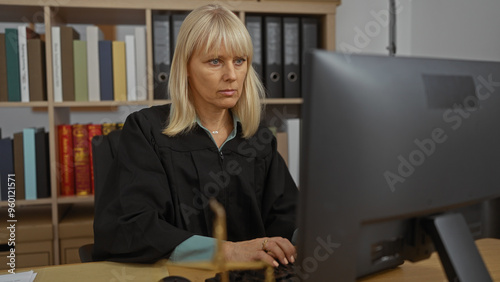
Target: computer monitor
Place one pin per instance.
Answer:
(400, 157)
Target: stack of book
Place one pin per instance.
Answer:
(98, 69)
(26, 158)
(22, 66)
(280, 44)
(76, 173)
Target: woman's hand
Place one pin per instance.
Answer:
(267, 249)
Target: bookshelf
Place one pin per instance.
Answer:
(127, 12)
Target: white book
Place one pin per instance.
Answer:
(23, 63)
(293, 130)
(140, 63)
(94, 34)
(56, 63)
(131, 70)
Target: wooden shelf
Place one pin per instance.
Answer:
(282, 7)
(23, 104)
(99, 104)
(283, 101)
(20, 13)
(275, 101)
(75, 199)
(102, 16)
(37, 202)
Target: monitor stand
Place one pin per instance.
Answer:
(456, 248)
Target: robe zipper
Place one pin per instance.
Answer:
(221, 158)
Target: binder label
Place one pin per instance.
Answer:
(273, 37)
(255, 32)
(291, 37)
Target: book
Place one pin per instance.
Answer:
(94, 34)
(119, 72)
(94, 130)
(4, 97)
(161, 55)
(66, 160)
(6, 166)
(291, 57)
(140, 64)
(23, 63)
(282, 141)
(254, 26)
(80, 66)
(106, 70)
(68, 34)
(107, 128)
(36, 70)
(42, 164)
(30, 174)
(56, 63)
(273, 79)
(82, 161)
(12, 60)
(293, 132)
(131, 67)
(19, 165)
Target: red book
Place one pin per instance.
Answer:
(82, 160)
(66, 160)
(93, 129)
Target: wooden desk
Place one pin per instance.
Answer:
(428, 270)
(431, 270)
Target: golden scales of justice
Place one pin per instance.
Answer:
(218, 262)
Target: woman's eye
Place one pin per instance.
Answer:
(215, 61)
(239, 61)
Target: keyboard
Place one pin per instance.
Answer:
(282, 273)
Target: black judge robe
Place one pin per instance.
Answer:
(157, 190)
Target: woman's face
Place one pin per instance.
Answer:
(216, 82)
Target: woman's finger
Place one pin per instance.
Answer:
(287, 248)
(274, 250)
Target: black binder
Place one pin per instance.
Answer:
(254, 27)
(161, 54)
(273, 79)
(42, 164)
(6, 166)
(177, 20)
(309, 40)
(291, 57)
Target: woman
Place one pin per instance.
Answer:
(207, 143)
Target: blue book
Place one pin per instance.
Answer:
(106, 70)
(6, 166)
(12, 60)
(30, 179)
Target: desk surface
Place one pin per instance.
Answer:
(427, 270)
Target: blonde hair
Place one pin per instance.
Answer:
(206, 29)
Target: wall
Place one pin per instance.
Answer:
(456, 29)
(460, 29)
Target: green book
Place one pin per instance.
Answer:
(3, 71)
(80, 65)
(12, 59)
